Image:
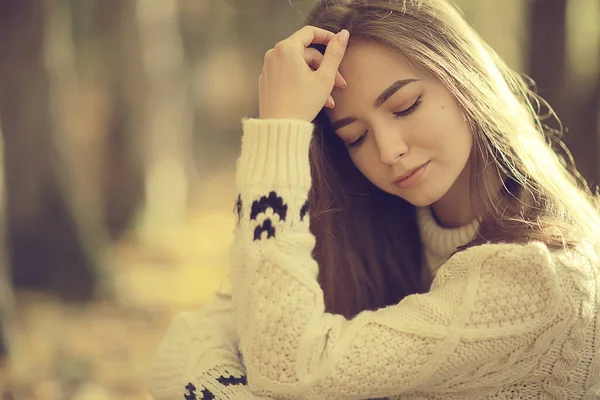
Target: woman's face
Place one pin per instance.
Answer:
(396, 121)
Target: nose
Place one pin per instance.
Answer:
(390, 146)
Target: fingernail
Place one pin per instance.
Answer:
(343, 36)
(344, 83)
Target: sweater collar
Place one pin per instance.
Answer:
(439, 240)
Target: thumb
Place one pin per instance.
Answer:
(333, 54)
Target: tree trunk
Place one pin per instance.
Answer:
(547, 49)
(118, 63)
(6, 294)
(170, 170)
(576, 108)
(583, 136)
(45, 248)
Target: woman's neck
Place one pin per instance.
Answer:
(453, 215)
(455, 208)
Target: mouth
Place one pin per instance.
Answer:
(412, 176)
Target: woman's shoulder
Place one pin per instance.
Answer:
(502, 259)
(528, 255)
(499, 288)
(532, 266)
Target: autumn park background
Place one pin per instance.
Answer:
(120, 126)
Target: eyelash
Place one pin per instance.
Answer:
(398, 114)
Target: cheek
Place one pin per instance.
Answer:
(367, 162)
(447, 136)
(361, 162)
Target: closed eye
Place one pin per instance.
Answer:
(357, 141)
(402, 113)
(410, 109)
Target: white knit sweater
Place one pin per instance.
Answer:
(500, 321)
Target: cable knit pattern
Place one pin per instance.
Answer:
(500, 321)
(203, 342)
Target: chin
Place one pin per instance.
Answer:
(419, 197)
(418, 202)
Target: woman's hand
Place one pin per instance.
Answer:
(296, 81)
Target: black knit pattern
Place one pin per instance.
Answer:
(304, 210)
(232, 380)
(274, 202)
(238, 208)
(206, 394)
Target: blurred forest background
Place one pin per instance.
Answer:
(120, 124)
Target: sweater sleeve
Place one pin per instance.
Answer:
(490, 309)
(198, 358)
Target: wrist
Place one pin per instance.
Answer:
(283, 116)
(275, 153)
(288, 113)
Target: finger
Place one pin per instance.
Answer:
(330, 103)
(313, 58)
(268, 54)
(333, 54)
(340, 81)
(311, 34)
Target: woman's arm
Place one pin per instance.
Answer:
(198, 358)
(490, 311)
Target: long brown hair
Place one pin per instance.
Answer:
(368, 246)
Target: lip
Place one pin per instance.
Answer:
(411, 177)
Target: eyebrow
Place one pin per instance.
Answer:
(382, 98)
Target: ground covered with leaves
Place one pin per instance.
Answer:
(101, 351)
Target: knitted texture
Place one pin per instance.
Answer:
(203, 341)
(198, 358)
(500, 320)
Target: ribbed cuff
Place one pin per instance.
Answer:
(274, 154)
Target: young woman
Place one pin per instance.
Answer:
(408, 228)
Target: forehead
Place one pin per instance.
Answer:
(373, 64)
(369, 68)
